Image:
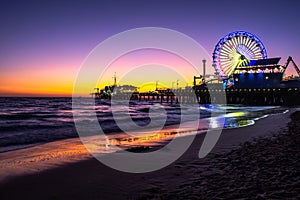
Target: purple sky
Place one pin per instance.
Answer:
(46, 36)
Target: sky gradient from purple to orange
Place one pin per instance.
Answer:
(43, 43)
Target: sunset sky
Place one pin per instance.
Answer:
(44, 43)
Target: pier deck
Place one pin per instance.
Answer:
(247, 96)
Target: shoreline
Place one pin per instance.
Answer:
(97, 181)
(46, 156)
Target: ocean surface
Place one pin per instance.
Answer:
(31, 121)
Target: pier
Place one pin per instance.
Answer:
(247, 96)
(259, 97)
(245, 75)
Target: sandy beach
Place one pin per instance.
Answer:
(255, 162)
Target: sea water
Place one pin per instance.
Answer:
(28, 121)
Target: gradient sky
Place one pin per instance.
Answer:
(43, 43)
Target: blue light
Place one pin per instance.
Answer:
(224, 85)
(252, 62)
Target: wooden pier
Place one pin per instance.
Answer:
(249, 96)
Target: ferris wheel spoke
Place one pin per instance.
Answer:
(234, 40)
(250, 53)
(226, 54)
(237, 39)
(252, 46)
(258, 56)
(224, 57)
(251, 43)
(230, 69)
(240, 40)
(224, 64)
(248, 42)
(226, 47)
(226, 70)
(227, 66)
(226, 50)
(225, 61)
(231, 44)
(257, 50)
(244, 40)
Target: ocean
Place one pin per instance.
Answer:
(26, 122)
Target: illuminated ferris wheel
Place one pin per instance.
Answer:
(236, 50)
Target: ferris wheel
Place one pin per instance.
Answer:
(236, 50)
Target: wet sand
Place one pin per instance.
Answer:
(242, 165)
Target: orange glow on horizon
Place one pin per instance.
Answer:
(42, 81)
(135, 68)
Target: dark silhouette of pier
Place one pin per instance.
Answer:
(246, 96)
